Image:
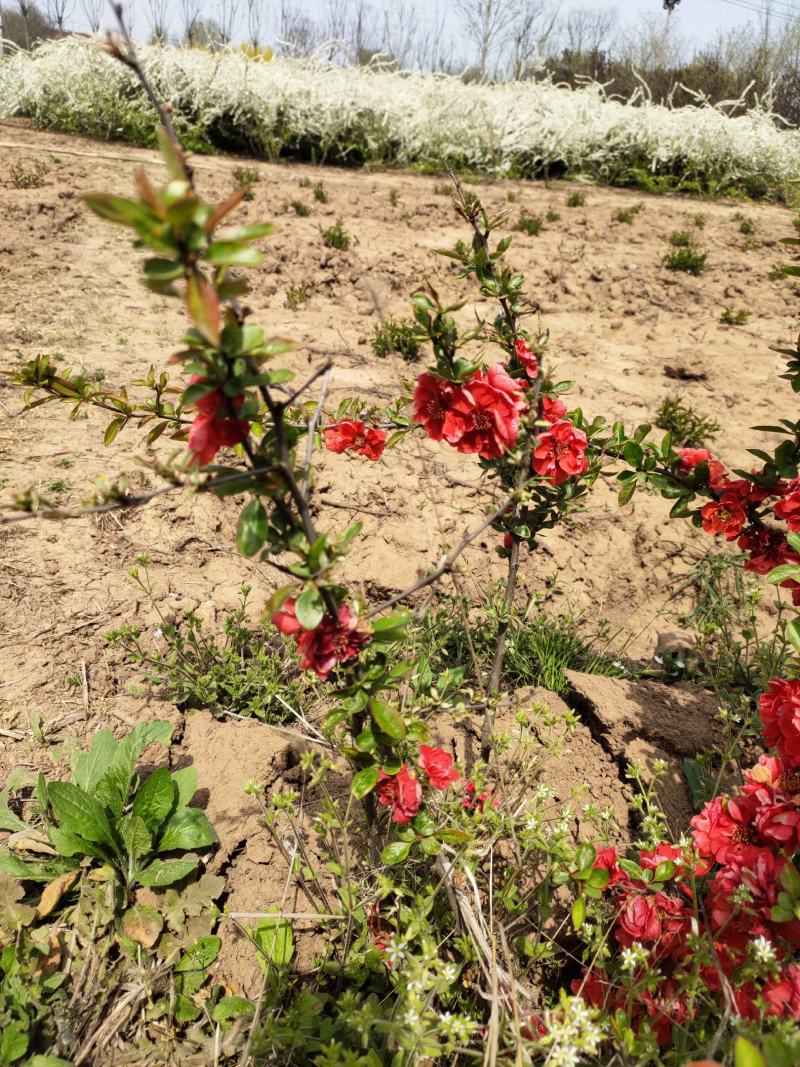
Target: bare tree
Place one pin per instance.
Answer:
(93, 13)
(157, 16)
(227, 13)
(297, 34)
(255, 21)
(587, 29)
(26, 9)
(58, 11)
(399, 33)
(486, 21)
(529, 31)
(190, 13)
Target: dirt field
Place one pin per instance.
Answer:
(624, 328)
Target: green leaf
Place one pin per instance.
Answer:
(79, 813)
(185, 1011)
(746, 1054)
(388, 720)
(13, 1043)
(133, 831)
(114, 786)
(780, 574)
(578, 912)
(186, 781)
(120, 209)
(627, 491)
(274, 938)
(165, 872)
(585, 856)
(155, 799)
(232, 1008)
(200, 956)
(113, 428)
(252, 529)
(793, 634)
(633, 453)
(89, 767)
(188, 828)
(794, 541)
(8, 820)
(790, 880)
(396, 852)
(230, 253)
(364, 782)
(309, 608)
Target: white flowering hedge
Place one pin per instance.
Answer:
(294, 108)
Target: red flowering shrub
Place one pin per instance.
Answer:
(211, 430)
(438, 766)
(780, 716)
(330, 642)
(560, 452)
(401, 792)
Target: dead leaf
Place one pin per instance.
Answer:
(143, 925)
(55, 891)
(29, 842)
(50, 963)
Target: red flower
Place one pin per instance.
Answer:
(767, 549)
(606, 859)
(780, 717)
(788, 507)
(470, 802)
(286, 620)
(780, 825)
(782, 994)
(333, 641)
(553, 410)
(432, 398)
(665, 1007)
(723, 828)
(692, 457)
(527, 359)
(349, 435)
(560, 452)
(762, 780)
(483, 416)
(438, 766)
(725, 516)
(402, 792)
(639, 919)
(210, 431)
(508, 541)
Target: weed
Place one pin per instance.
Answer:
(336, 237)
(443, 189)
(246, 178)
(627, 215)
(320, 193)
(699, 221)
(512, 197)
(551, 216)
(28, 177)
(530, 224)
(397, 335)
(65, 463)
(296, 296)
(299, 208)
(394, 197)
(686, 257)
(304, 183)
(734, 318)
(746, 226)
(576, 199)
(241, 673)
(688, 429)
(58, 486)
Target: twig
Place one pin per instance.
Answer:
(312, 422)
(445, 565)
(85, 686)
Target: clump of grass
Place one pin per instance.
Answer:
(729, 317)
(530, 224)
(320, 193)
(336, 236)
(512, 197)
(394, 197)
(32, 176)
(576, 199)
(443, 189)
(246, 178)
(627, 215)
(551, 216)
(397, 335)
(699, 221)
(300, 208)
(746, 226)
(686, 256)
(296, 296)
(688, 428)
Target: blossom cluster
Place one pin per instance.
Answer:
(738, 511)
(730, 888)
(214, 427)
(334, 640)
(401, 790)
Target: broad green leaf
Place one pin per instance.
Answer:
(585, 856)
(231, 1008)
(364, 782)
(201, 954)
(13, 1043)
(165, 872)
(89, 767)
(746, 1054)
(187, 828)
(780, 574)
(388, 720)
(120, 209)
(578, 912)
(309, 608)
(274, 938)
(155, 799)
(70, 844)
(33, 870)
(113, 787)
(186, 781)
(396, 852)
(79, 813)
(793, 634)
(252, 529)
(8, 820)
(230, 253)
(185, 1011)
(135, 836)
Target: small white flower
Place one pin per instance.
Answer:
(395, 951)
(658, 659)
(763, 950)
(679, 664)
(158, 632)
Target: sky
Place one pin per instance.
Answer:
(699, 20)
